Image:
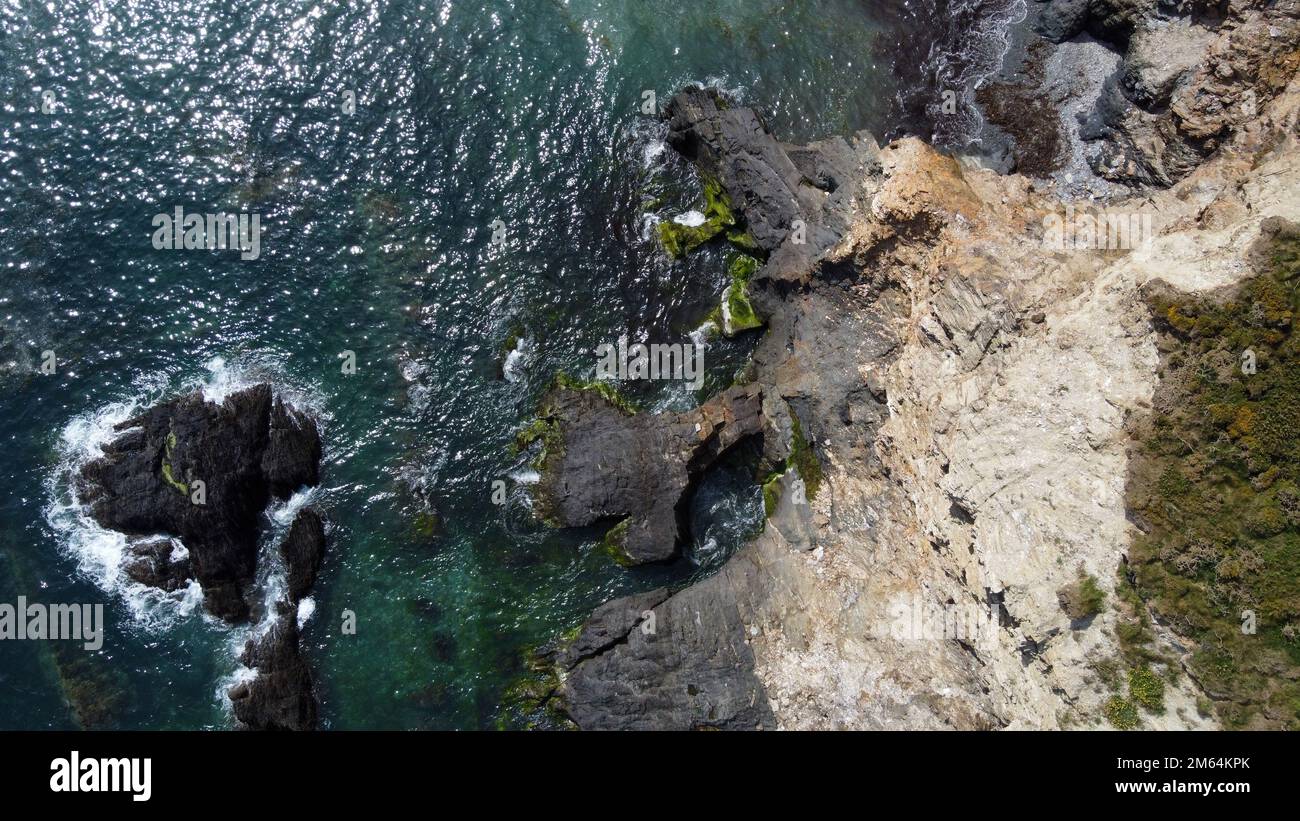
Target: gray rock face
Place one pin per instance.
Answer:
(303, 550)
(1158, 59)
(697, 668)
(686, 666)
(636, 468)
(733, 145)
(795, 200)
(609, 625)
(281, 697)
(1192, 78)
(1059, 20)
(293, 451)
(1192, 75)
(1117, 20)
(155, 564)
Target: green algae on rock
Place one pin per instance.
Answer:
(607, 391)
(168, 473)
(737, 313)
(803, 459)
(772, 492)
(545, 429)
(615, 542)
(680, 239)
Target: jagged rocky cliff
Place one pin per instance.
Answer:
(951, 393)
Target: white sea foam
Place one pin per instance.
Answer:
(526, 476)
(971, 51)
(653, 152)
(691, 219)
(306, 608)
(649, 224)
(240, 675)
(224, 380)
(516, 361)
(284, 513)
(701, 335)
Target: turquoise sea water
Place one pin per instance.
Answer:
(376, 229)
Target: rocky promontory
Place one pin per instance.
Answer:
(953, 394)
(602, 462)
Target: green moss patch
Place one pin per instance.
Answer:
(531, 701)
(615, 542)
(168, 472)
(772, 492)
(607, 391)
(803, 459)
(739, 314)
(544, 430)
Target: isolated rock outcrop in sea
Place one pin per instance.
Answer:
(203, 473)
(281, 696)
(245, 451)
(303, 550)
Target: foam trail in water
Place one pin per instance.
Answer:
(967, 41)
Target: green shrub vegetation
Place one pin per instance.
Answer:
(1083, 599)
(1147, 689)
(1214, 484)
(1121, 713)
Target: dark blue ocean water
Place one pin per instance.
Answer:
(376, 228)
